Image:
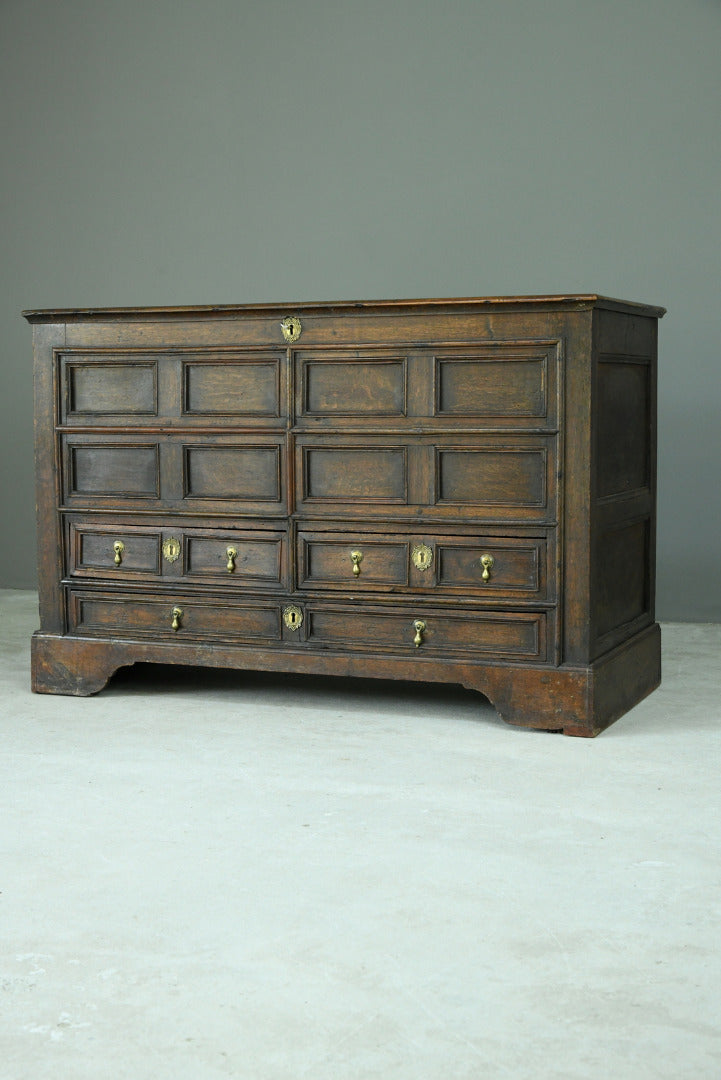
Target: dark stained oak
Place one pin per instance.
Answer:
(456, 490)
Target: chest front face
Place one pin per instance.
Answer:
(302, 490)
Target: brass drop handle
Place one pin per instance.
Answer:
(177, 616)
(118, 548)
(419, 626)
(486, 562)
(356, 557)
(232, 554)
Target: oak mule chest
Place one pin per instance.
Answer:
(440, 490)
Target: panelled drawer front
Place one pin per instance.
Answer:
(242, 474)
(343, 561)
(493, 566)
(241, 559)
(123, 551)
(251, 559)
(491, 478)
(143, 388)
(173, 619)
(421, 632)
(488, 567)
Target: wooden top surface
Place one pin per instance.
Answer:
(469, 303)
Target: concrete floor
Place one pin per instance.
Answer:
(209, 874)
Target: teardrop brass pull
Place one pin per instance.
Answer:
(486, 562)
(419, 626)
(356, 557)
(232, 554)
(177, 616)
(118, 548)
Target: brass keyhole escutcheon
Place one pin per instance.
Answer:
(293, 617)
(356, 557)
(232, 555)
(422, 556)
(487, 563)
(177, 615)
(118, 548)
(171, 549)
(419, 626)
(291, 328)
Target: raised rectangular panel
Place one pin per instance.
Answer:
(132, 616)
(325, 562)
(255, 560)
(111, 388)
(243, 473)
(110, 470)
(517, 634)
(238, 388)
(622, 433)
(355, 474)
(622, 575)
(93, 551)
(355, 386)
(512, 385)
(492, 477)
(517, 567)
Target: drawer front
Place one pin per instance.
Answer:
(122, 551)
(141, 388)
(350, 561)
(239, 559)
(242, 474)
(487, 567)
(419, 632)
(250, 559)
(493, 566)
(502, 478)
(174, 618)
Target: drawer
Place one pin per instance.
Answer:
(488, 567)
(143, 388)
(254, 560)
(417, 631)
(352, 561)
(194, 473)
(499, 478)
(228, 558)
(172, 618)
(126, 551)
(494, 566)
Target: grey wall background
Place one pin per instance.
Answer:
(169, 151)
